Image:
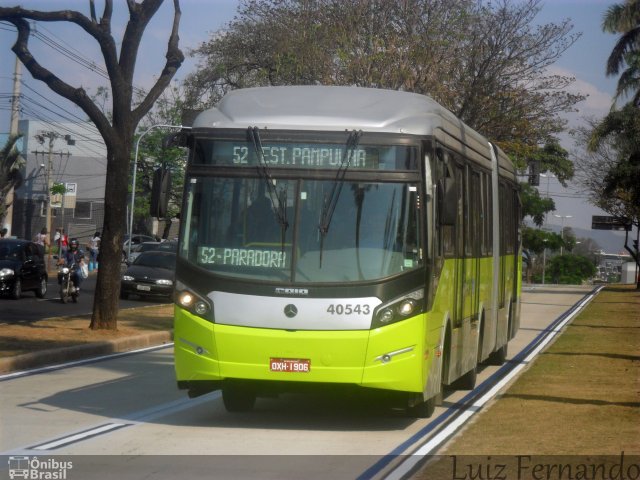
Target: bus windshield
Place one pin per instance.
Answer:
(231, 228)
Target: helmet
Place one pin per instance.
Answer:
(73, 243)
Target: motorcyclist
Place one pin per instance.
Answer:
(73, 256)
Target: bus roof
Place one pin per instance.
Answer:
(327, 108)
(335, 108)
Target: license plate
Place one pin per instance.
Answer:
(293, 365)
(144, 288)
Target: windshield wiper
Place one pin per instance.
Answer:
(278, 199)
(331, 201)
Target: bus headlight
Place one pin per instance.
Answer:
(194, 303)
(398, 309)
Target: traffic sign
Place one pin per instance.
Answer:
(600, 222)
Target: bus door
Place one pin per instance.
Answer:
(502, 333)
(472, 232)
(504, 234)
(460, 245)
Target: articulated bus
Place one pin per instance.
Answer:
(342, 236)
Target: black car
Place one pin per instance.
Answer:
(151, 274)
(22, 268)
(135, 240)
(149, 246)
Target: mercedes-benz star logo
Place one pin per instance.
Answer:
(290, 310)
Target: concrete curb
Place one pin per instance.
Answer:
(77, 352)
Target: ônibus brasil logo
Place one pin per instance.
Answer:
(34, 468)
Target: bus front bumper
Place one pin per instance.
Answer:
(389, 358)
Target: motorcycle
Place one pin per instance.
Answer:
(68, 289)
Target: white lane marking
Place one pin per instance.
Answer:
(133, 419)
(436, 442)
(79, 436)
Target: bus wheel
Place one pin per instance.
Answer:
(467, 381)
(499, 356)
(423, 408)
(238, 398)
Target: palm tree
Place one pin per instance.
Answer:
(10, 163)
(624, 19)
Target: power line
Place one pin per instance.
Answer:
(50, 101)
(56, 125)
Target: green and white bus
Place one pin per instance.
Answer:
(342, 235)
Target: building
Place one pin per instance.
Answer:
(66, 153)
(610, 266)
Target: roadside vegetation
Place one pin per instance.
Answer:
(580, 396)
(59, 332)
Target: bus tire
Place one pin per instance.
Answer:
(423, 408)
(238, 398)
(467, 381)
(498, 357)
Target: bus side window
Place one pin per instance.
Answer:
(447, 206)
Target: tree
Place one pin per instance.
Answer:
(610, 165)
(167, 110)
(534, 242)
(568, 239)
(587, 247)
(605, 166)
(485, 62)
(570, 269)
(10, 164)
(618, 132)
(624, 18)
(535, 206)
(117, 130)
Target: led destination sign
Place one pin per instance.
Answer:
(306, 155)
(242, 257)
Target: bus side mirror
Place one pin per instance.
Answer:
(160, 189)
(447, 202)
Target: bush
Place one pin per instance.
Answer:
(570, 269)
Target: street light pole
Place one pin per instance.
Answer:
(562, 230)
(548, 177)
(133, 182)
(544, 260)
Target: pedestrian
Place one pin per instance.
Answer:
(94, 248)
(3, 232)
(42, 240)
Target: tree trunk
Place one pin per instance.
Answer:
(105, 307)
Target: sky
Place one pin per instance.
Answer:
(585, 61)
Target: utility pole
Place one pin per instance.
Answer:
(13, 130)
(51, 137)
